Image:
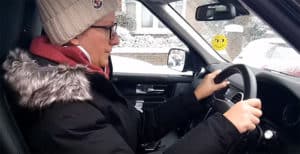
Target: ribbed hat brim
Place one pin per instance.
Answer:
(65, 22)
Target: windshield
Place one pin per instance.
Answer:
(244, 39)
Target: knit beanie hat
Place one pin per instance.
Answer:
(63, 20)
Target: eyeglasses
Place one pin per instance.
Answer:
(112, 29)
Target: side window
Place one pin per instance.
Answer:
(144, 41)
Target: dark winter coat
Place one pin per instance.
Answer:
(66, 110)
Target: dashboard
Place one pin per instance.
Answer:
(279, 130)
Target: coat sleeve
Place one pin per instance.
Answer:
(72, 129)
(155, 123)
(214, 136)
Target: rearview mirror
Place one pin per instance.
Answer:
(216, 11)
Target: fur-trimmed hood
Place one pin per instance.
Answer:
(40, 86)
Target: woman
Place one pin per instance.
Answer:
(69, 105)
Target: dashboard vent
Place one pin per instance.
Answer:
(237, 97)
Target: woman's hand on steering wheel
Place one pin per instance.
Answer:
(207, 87)
(245, 115)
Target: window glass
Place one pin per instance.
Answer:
(144, 42)
(244, 39)
(147, 20)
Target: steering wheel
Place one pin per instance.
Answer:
(250, 86)
(250, 91)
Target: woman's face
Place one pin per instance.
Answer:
(97, 41)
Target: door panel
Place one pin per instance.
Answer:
(146, 91)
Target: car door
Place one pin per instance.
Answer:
(146, 91)
(140, 69)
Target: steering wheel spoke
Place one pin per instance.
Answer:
(249, 82)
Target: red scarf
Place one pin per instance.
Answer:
(70, 55)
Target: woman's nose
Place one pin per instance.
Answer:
(115, 39)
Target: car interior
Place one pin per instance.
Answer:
(280, 94)
(16, 31)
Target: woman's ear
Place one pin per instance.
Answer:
(74, 41)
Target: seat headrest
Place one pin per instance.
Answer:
(11, 22)
(20, 23)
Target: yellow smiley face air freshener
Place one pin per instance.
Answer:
(219, 42)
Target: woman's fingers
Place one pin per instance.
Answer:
(251, 127)
(255, 120)
(215, 73)
(223, 84)
(254, 102)
(256, 112)
(245, 114)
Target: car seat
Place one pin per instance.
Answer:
(19, 24)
